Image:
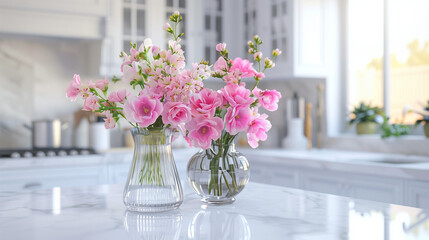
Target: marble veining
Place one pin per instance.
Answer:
(260, 212)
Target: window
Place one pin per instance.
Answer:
(213, 28)
(394, 28)
(134, 22)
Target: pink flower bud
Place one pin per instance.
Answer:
(276, 52)
(221, 47)
(166, 26)
(101, 84)
(257, 56)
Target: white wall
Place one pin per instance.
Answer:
(34, 74)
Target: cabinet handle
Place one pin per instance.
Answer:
(32, 185)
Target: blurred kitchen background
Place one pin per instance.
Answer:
(333, 56)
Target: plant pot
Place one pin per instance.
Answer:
(153, 184)
(426, 128)
(366, 128)
(218, 174)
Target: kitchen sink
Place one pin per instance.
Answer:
(392, 161)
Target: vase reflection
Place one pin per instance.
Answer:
(151, 226)
(213, 224)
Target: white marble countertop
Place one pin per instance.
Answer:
(417, 167)
(260, 212)
(376, 164)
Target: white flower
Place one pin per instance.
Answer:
(379, 119)
(148, 42)
(268, 63)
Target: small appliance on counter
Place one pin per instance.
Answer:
(90, 131)
(45, 133)
(295, 138)
(99, 136)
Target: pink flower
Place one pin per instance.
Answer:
(268, 99)
(237, 119)
(203, 130)
(205, 103)
(237, 95)
(155, 92)
(91, 103)
(101, 84)
(244, 66)
(259, 75)
(176, 113)
(142, 110)
(220, 66)
(109, 121)
(126, 60)
(221, 47)
(130, 74)
(257, 130)
(155, 51)
(74, 88)
(118, 96)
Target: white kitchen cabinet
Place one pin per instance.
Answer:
(36, 178)
(333, 182)
(61, 18)
(118, 173)
(378, 189)
(273, 174)
(317, 182)
(305, 31)
(417, 194)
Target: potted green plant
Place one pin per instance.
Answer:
(394, 130)
(366, 118)
(425, 119)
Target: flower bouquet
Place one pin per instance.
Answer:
(164, 97)
(219, 172)
(155, 105)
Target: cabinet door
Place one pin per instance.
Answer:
(417, 194)
(12, 180)
(378, 189)
(322, 182)
(275, 174)
(118, 173)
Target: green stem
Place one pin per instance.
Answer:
(256, 84)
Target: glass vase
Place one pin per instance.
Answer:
(153, 184)
(218, 174)
(159, 226)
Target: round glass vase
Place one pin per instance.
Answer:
(218, 173)
(153, 184)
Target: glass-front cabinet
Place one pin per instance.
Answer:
(295, 27)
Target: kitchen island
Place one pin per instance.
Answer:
(260, 212)
(393, 178)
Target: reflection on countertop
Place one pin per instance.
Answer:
(260, 212)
